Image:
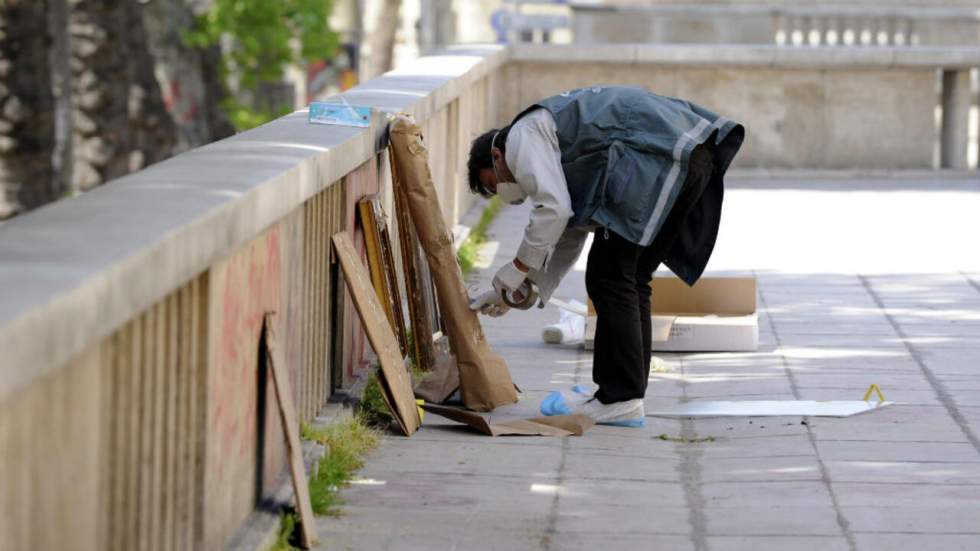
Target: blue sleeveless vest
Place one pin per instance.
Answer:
(625, 151)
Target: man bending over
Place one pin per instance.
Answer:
(644, 173)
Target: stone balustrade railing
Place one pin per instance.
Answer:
(789, 24)
(133, 404)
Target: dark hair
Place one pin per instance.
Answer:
(480, 156)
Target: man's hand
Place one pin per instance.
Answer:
(509, 277)
(489, 303)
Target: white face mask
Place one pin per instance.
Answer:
(511, 193)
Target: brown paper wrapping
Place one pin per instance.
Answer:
(440, 382)
(485, 381)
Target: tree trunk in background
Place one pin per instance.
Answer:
(120, 122)
(59, 56)
(152, 131)
(100, 91)
(189, 77)
(26, 107)
(214, 93)
(381, 38)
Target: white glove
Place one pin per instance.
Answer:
(508, 278)
(489, 303)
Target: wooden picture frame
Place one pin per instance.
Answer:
(381, 262)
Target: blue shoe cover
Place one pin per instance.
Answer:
(630, 423)
(555, 404)
(583, 390)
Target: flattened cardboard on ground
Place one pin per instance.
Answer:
(559, 425)
(717, 314)
(485, 381)
(771, 408)
(397, 390)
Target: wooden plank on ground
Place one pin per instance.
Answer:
(290, 427)
(382, 338)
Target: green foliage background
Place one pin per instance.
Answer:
(263, 37)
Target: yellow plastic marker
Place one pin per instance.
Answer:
(418, 404)
(874, 388)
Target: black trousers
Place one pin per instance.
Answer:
(617, 278)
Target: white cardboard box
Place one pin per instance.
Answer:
(718, 314)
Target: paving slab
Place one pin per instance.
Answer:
(777, 543)
(434, 491)
(770, 519)
(898, 364)
(898, 423)
(575, 494)
(860, 380)
(769, 387)
(417, 528)
(649, 445)
(916, 542)
(905, 494)
(939, 452)
(727, 447)
(592, 465)
(526, 456)
(590, 541)
(763, 469)
(746, 430)
(608, 516)
(925, 472)
(939, 518)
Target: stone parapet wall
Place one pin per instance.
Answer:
(813, 108)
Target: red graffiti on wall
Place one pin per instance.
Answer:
(250, 287)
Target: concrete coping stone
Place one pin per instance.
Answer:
(760, 56)
(74, 271)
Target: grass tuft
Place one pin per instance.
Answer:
(287, 527)
(372, 408)
(347, 442)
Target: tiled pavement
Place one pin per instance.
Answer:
(860, 282)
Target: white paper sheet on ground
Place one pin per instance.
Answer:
(770, 408)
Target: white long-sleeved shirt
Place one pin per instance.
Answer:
(549, 247)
